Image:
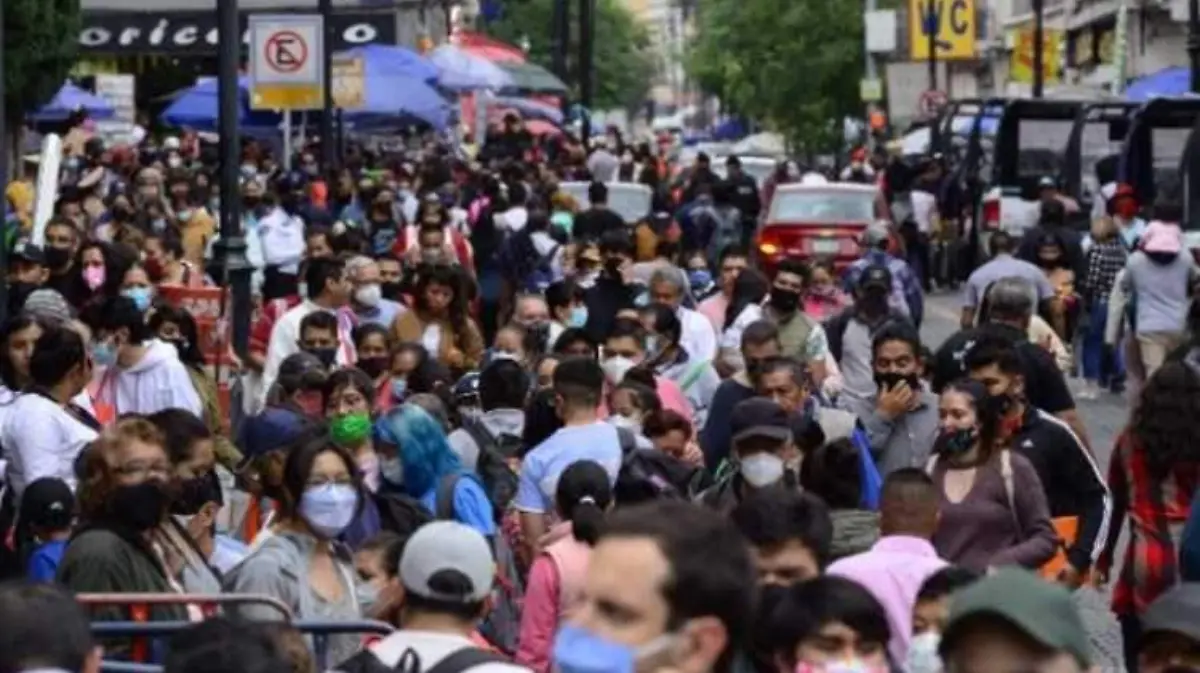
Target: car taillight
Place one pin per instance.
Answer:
(769, 243)
(991, 215)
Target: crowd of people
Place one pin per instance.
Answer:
(531, 436)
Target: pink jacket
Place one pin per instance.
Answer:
(554, 588)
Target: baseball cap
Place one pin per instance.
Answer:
(301, 371)
(1043, 611)
(760, 417)
(27, 251)
(1047, 182)
(877, 232)
(48, 503)
(447, 561)
(875, 275)
(1175, 612)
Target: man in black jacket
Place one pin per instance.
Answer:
(742, 192)
(1074, 485)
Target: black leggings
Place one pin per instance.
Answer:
(1131, 636)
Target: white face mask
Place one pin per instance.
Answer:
(616, 367)
(923, 654)
(627, 422)
(369, 295)
(762, 469)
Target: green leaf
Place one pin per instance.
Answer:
(40, 43)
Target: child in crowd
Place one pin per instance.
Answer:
(47, 512)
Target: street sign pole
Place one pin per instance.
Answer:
(328, 148)
(230, 248)
(4, 168)
(1039, 49)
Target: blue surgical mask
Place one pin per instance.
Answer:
(578, 317)
(399, 388)
(577, 650)
(141, 296)
(368, 596)
(699, 279)
(392, 470)
(329, 508)
(104, 354)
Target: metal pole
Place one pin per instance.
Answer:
(231, 247)
(328, 147)
(560, 29)
(4, 168)
(1193, 42)
(287, 140)
(1039, 49)
(587, 35)
(934, 21)
(872, 75)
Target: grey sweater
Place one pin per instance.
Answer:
(1160, 287)
(990, 529)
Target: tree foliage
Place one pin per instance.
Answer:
(40, 44)
(793, 65)
(623, 63)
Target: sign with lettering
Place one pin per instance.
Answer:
(950, 22)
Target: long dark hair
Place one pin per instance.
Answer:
(1166, 421)
(987, 414)
(751, 287)
(17, 323)
(189, 351)
(445, 275)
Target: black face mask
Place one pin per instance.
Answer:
(612, 267)
(325, 355)
(197, 492)
(393, 290)
(57, 258)
(784, 301)
(141, 506)
(889, 380)
(873, 301)
(373, 367)
(251, 202)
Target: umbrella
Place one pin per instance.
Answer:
(531, 78)
(530, 109)
(389, 94)
(71, 98)
(462, 70)
(542, 128)
(764, 144)
(394, 61)
(199, 108)
(1164, 83)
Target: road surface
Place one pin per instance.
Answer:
(1104, 418)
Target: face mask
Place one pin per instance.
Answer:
(141, 506)
(954, 442)
(249, 170)
(392, 290)
(612, 267)
(923, 654)
(578, 317)
(197, 492)
(373, 367)
(889, 380)
(93, 277)
(621, 421)
(369, 295)
(392, 470)
(699, 279)
(325, 355)
(141, 297)
(57, 258)
(784, 301)
(329, 508)
(183, 215)
(351, 429)
(616, 367)
(854, 665)
(762, 469)
(159, 225)
(873, 301)
(104, 354)
(652, 344)
(399, 388)
(577, 650)
(367, 596)
(174, 161)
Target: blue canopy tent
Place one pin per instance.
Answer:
(460, 70)
(1165, 83)
(530, 109)
(69, 99)
(394, 61)
(199, 108)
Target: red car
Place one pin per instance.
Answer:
(811, 221)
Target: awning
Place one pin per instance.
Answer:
(531, 78)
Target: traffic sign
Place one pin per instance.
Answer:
(285, 61)
(931, 102)
(951, 22)
(870, 90)
(348, 75)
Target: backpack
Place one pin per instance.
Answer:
(400, 514)
(459, 661)
(495, 465)
(502, 625)
(649, 474)
(541, 276)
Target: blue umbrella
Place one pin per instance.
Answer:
(1162, 84)
(71, 98)
(199, 108)
(394, 61)
(531, 109)
(389, 98)
(460, 70)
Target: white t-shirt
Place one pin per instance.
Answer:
(431, 648)
(431, 338)
(41, 439)
(924, 206)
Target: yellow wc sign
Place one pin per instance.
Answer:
(952, 24)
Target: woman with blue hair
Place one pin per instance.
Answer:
(416, 460)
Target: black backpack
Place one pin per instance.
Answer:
(649, 474)
(459, 661)
(494, 464)
(400, 514)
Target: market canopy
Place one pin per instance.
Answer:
(462, 70)
(384, 60)
(529, 108)
(71, 99)
(1165, 83)
(532, 78)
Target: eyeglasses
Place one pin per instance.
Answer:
(144, 470)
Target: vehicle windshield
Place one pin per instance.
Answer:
(630, 201)
(1043, 143)
(1168, 145)
(1095, 144)
(823, 206)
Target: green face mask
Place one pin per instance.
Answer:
(351, 429)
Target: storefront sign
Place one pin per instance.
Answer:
(186, 33)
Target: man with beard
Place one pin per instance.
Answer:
(852, 332)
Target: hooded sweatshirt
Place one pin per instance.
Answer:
(158, 381)
(1159, 281)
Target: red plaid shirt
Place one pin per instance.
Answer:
(1157, 512)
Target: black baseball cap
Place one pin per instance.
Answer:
(48, 503)
(26, 251)
(760, 417)
(875, 275)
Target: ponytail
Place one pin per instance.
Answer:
(586, 520)
(583, 495)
